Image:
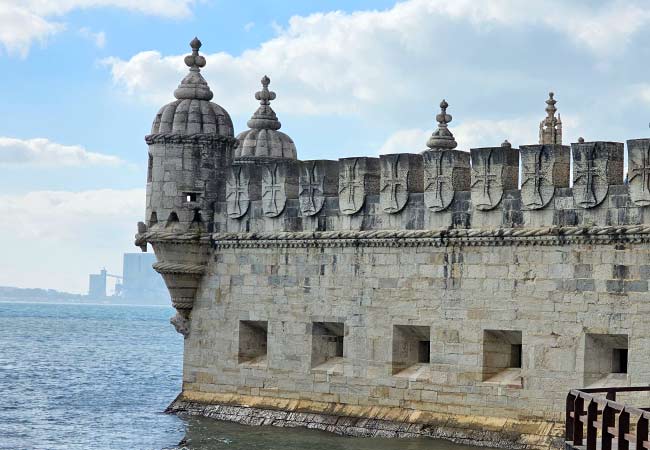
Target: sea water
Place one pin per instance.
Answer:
(78, 376)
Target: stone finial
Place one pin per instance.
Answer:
(264, 117)
(506, 143)
(442, 138)
(194, 86)
(195, 61)
(550, 129)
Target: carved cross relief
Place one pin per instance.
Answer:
(273, 191)
(351, 188)
(537, 187)
(639, 181)
(237, 197)
(486, 183)
(590, 185)
(312, 190)
(394, 179)
(438, 184)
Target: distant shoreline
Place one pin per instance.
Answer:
(58, 302)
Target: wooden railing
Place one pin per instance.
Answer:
(594, 418)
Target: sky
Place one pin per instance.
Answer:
(82, 80)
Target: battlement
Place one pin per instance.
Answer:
(442, 189)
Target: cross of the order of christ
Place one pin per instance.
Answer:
(437, 179)
(393, 182)
(238, 188)
(310, 188)
(589, 171)
(536, 176)
(486, 177)
(642, 169)
(351, 183)
(273, 188)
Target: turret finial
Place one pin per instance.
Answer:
(265, 96)
(194, 86)
(195, 61)
(550, 129)
(264, 117)
(442, 138)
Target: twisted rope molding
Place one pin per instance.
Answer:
(170, 268)
(397, 238)
(441, 237)
(179, 138)
(180, 237)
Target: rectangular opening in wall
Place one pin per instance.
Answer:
(252, 342)
(424, 352)
(619, 360)
(411, 352)
(327, 341)
(502, 357)
(191, 197)
(515, 357)
(606, 360)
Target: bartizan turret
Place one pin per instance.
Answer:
(190, 144)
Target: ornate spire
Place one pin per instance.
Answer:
(550, 129)
(264, 117)
(442, 138)
(194, 86)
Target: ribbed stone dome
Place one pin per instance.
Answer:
(192, 112)
(263, 141)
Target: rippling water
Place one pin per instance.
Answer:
(99, 377)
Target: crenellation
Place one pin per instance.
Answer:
(596, 166)
(494, 171)
(358, 179)
(401, 175)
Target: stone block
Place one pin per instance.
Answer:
(318, 179)
(358, 178)
(596, 166)
(401, 174)
(494, 171)
(445, 173)
(544, 168)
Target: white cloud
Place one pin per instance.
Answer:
(97, 38)
(53, 239)
(411, 140)
(22, 22)
(346, 63)
(42, 152)
(20, 27)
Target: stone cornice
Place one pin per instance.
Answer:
(172, 237)
(409, 238)
(179, 138)
(437, 238)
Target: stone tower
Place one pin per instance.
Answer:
(550, 129)
(190, 145)
(191, 138)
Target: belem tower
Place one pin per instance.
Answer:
(436, 292)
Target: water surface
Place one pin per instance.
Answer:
(76, 376)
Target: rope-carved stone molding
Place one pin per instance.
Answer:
(171, 237)
(172, 268)
(437, 238)
(199, 138)
(409, 238)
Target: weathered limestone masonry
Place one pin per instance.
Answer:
(421, 293)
